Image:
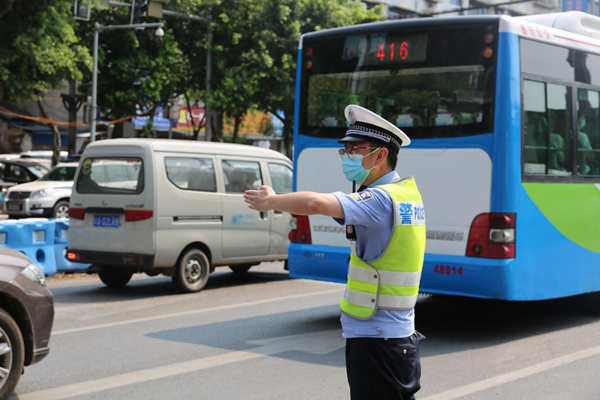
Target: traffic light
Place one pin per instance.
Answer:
(82, 10)
(146, 8)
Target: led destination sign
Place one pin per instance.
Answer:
(386, 49)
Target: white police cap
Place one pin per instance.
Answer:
(366, 125)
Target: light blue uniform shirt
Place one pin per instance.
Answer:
(373, 218)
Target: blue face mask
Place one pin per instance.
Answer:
(581, 124)
(354, 170)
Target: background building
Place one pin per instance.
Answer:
(398, 9)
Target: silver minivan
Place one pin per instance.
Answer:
(176, 208)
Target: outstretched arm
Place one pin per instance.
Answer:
(300, 203)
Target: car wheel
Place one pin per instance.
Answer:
(12, 355)
(61, 210)
(192, 270)
(113, 277)
(241, 268)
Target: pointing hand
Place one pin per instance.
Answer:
(259, 199)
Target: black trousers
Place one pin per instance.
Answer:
(380, 369)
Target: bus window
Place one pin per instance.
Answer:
(588, 132)
(546, 60)
(546, 147)
(419, 81)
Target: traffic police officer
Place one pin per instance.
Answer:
(386, 221)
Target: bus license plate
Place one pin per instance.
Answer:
(104, 221)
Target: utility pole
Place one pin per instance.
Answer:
(100, 28)
(207, 111)
(72, 103)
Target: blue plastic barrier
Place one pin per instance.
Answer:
(61, 241)
(32, 237)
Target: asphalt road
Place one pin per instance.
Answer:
(263, 336)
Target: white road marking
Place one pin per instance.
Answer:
(314, 342)
(498, 380)
(191, 312)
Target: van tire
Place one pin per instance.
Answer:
(241, 268)
(192, 271)
(114, 278)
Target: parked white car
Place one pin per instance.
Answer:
(47, 197)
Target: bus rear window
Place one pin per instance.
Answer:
(114, 175)
(431, 83)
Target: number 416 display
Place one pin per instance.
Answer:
(393, 50)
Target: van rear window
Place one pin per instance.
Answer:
(111, 175)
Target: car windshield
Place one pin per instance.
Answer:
(60, 173)
(37, 169)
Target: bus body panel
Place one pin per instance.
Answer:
(507, 127)
(454, 193)
(550, 265)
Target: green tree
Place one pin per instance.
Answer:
(276, 32)
(135, 68)
(237, 67)
(39, 50)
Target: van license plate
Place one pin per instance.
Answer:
(106, 221)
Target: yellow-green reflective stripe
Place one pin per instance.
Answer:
(396, 303)
(392, 278)
(353, 309)
(362, 286)
(400, 291)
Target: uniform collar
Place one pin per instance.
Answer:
(390, 177)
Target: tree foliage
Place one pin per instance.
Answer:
(135, 68)
(254, 53)
(39, 47)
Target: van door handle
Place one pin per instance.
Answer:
(278, 213)
(263, 215)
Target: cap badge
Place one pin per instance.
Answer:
(351, 117)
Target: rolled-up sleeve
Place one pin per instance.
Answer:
(364, 208)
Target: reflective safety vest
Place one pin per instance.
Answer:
(390, 282)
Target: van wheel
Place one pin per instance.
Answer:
(241, 268)
(12, 359)
(61, 210)
(192, 270)
(114, 278)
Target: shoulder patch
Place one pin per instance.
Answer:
(362, 196)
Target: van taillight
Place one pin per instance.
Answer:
(138, 215)
(300, 232)
(492, 235)
(76, 213)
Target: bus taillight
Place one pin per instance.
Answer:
(300, 232)
(492, 235)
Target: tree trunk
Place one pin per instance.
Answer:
(236, 128)
(56, 143)
(195, 129)
(150, 123)
(217, 128)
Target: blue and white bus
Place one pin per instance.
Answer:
(504, 117)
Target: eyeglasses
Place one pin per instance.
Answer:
(350, 151)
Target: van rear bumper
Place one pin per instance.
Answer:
(116, 259)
